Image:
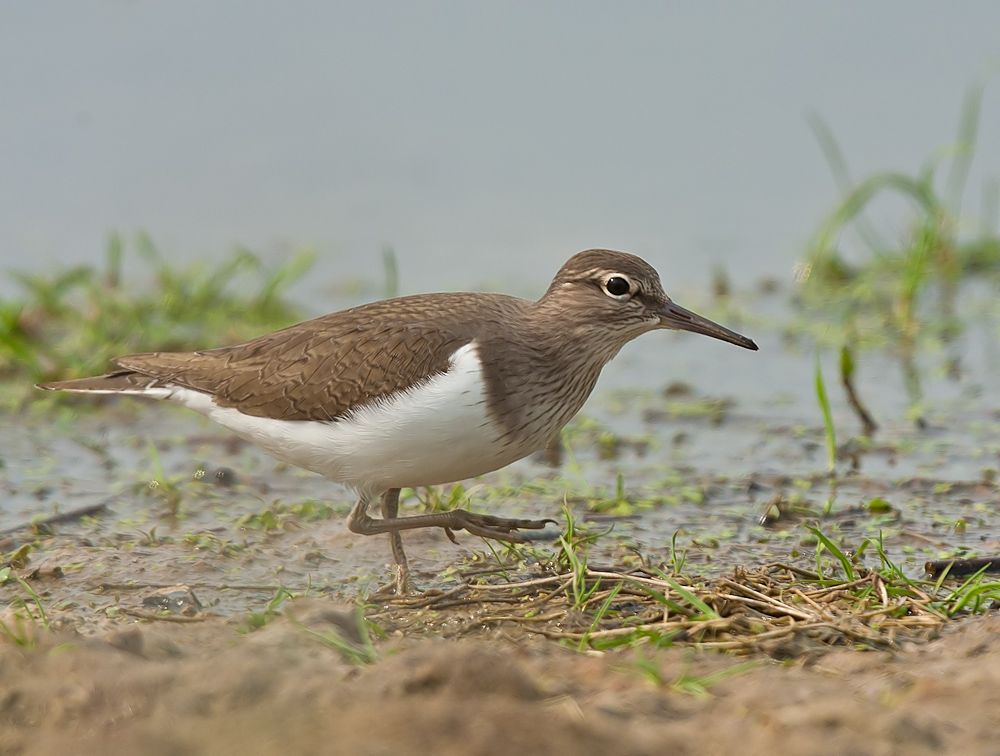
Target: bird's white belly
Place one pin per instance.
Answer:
(437, 432)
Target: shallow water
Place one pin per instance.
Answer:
(737, 430)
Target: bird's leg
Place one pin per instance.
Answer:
(390, 508)
(486, 526)
(359, 521)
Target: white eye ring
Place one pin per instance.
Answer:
(619, 287)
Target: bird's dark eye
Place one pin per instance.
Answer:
(617, 286)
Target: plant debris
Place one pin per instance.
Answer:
(778, 609)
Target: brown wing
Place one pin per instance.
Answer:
(320, 369)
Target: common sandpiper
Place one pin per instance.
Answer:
(419, 390)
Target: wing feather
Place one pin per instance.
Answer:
(320, 369)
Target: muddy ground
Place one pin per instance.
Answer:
(202, 688)
(191, 596)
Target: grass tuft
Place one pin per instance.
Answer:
(72, 323)
(902, 295)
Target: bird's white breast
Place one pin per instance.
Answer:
(436, 432)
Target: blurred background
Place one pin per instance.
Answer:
(485, 143)
(823, 177)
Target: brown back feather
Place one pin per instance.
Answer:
(320, 369)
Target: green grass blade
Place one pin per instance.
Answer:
(601, 612)
(696, 602)
(841, 175)
(824, 405)
(845, 561)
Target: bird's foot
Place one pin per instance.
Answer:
(403, 584)
(485, 526)
(497, 528)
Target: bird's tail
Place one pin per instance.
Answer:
(117, 382)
